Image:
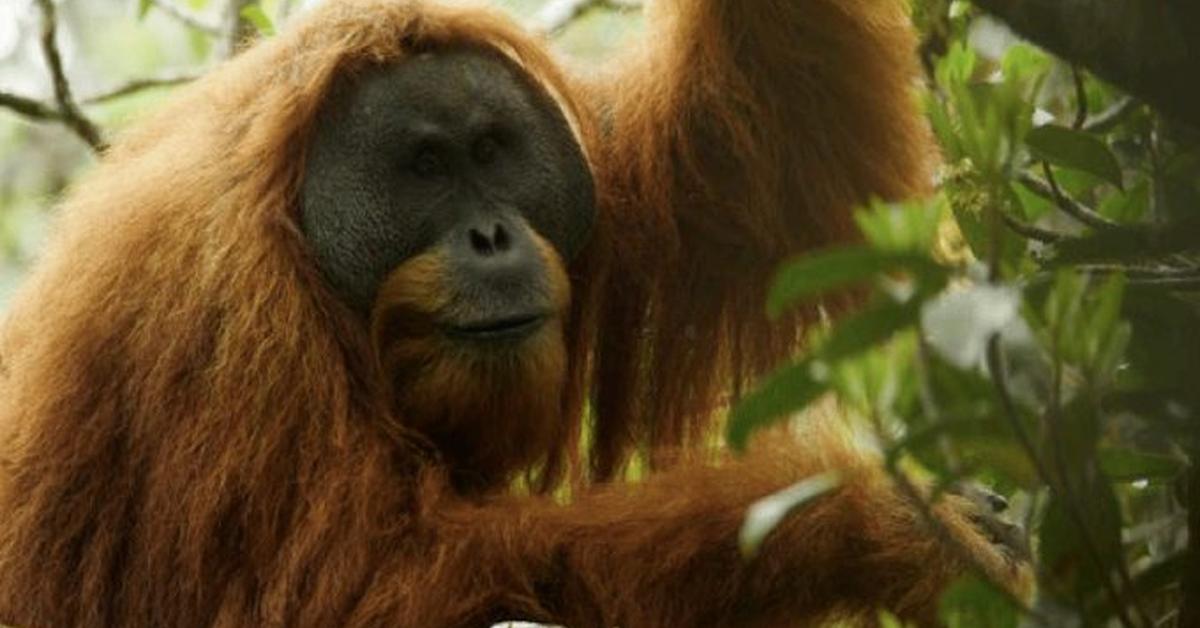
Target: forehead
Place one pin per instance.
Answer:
(446, 87)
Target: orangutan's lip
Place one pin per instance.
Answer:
(503, 328)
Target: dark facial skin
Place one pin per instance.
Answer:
(455, 151)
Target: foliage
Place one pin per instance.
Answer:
(148, 47)
(1033, 326)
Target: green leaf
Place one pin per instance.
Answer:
(1068, 553)
(902, 227)
(254, 14)
(766, 514)
(1075, 149)
(1062, 312)
(1105, 311)
(982, 444)
(959, 8)
(1025, 65)
(1110, 354)
(957, 66)
(1127, 207)
(820, 272)
(882, 381)
(866, 329)
(1128, 465)
(1033, 206)
(143, 7)
(971, 601)
(785, 391)
(1103, 336)
(1166, 328)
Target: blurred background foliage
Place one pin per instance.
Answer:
(111, 45)
(1033, 326)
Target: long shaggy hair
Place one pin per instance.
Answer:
(196, 432)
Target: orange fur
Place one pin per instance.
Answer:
(195, 432)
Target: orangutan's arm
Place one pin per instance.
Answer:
(757, 126)
(740, 134)
(664, 552)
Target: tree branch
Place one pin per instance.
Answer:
(555, 15)
(999, 377)
(1112, 116)
(1150, 48)
(1030, 232)
(235, 29)
(29, 107)
(187, 19)
(69, 113)
(1049, 190)
(136, 85)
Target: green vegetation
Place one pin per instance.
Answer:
(1033, 326)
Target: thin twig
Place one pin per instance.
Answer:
(1124, 595)
(185, 18)
(1081, 108)
(1031, 232)
(137, 85)
(1183, 284)
(29, 107)
(1112, 116)
(1049, 189)
(1190, 273)
(995, 363)
(555, 15)
(69, 112)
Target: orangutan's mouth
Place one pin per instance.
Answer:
(502, 328)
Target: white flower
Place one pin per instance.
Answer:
(958, 324)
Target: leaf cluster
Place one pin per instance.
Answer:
(1033, 327)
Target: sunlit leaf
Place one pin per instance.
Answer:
(957, 66)
(866, 329)
(902, 227)
(766, 514)
(814, 274)
(254, 14)
(1127, 206)
(983, 444)
(880, 381)
(1127, 465)
(785, 391)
